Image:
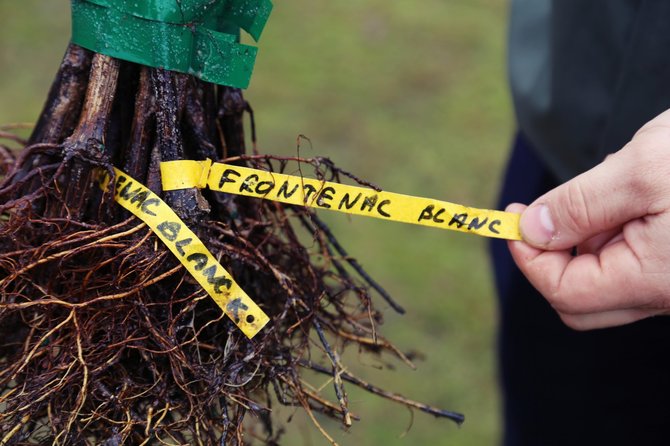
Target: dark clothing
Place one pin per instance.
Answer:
(561, 387)
(586, 74)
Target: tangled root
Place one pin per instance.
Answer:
(104, 337)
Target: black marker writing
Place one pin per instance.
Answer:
(169, 230)
(284, 190)
(233, 308)
(225, 177)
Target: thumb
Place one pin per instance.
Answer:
(612, 193)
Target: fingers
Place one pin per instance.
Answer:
(588, 283)
(616, 215)
(616, 191)
(596, 243)
(605, 319)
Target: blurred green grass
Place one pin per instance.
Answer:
(410, 96)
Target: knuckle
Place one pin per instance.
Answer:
(571, 302)
(648, 175)
(561, 305)
(576, 215)
(559, 302)
(575, 322)
(649, 147)
(656, 129)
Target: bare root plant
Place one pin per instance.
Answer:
(104, 338)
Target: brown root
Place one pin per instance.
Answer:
(104, 337)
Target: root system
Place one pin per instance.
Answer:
(104, 338)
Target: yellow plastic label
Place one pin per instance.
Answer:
(190, 251)
(339, 197)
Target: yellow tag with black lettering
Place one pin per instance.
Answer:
(339, 197)
(190, 251)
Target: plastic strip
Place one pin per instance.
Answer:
(190, 251)
(339, 197)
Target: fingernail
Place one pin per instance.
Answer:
(537, 228)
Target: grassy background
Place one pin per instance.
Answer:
(409, 95)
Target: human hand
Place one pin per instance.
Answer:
(617, 216)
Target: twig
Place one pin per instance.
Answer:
(457, 417)
(336, 372)
(352, 261)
